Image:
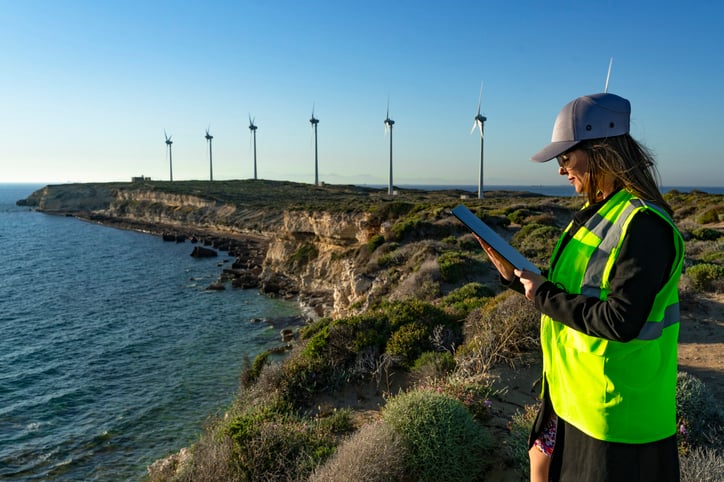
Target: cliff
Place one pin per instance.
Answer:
(297, 240)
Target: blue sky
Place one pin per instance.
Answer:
(88, 87)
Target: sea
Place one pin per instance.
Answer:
(112, 352)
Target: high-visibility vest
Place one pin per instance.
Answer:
(610, 390)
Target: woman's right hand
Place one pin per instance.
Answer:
(503, 266)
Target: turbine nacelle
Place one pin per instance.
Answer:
(208, 136)
(479, 119)
(252, 127)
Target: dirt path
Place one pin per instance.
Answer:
(701, 342)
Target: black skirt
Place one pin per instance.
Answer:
(578, 457)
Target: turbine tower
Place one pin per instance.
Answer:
(253, 128)
(479, 122)
(211, 164)
(314, 121)
(170, 159)
(388, 127)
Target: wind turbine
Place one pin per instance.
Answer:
(388, 127)
(211, 164)
(479, 122)
(314, 121)
(170, 159)
(253, 128)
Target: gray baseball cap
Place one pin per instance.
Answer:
(589, 117)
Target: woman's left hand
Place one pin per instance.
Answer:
(531, 281)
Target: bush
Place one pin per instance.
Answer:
(705, 234)
(375, 453)
(709, 216)
(306, 253)
(705, 275)
(251, 372)
(475, 396)
(505, 327)
(452, 266)
(408, 342)
(445, 443)
(468, 297)
(277, 448)
(518, 216)
(702, 465)
(536, 240)
(698, 414)
(375, 242)
(433, 365)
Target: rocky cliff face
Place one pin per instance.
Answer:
(309, 254)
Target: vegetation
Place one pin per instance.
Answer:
(402, 386)
(444, 442)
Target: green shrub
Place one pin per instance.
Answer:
(306, 253)
(544, 219)
(391, 210)
(698, 414)
(375, 242)
(251, 371)
(475, 396)
(301, 376)
(713, 257)
(437, 363)
(453, 266)
(445, 443)
(309, 330)
(408, 342)
(705, 275)
(277, 448)
(468, 297)
(536, 240)
(392, 258)
(518, 216)
(337, 422)
(705, 234)
(709, 216)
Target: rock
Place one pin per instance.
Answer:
(287, 334)
(201, 252)
(216, 286)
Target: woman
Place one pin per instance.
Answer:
(609, 304)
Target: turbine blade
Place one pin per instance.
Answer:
(610, 63)
(480, 97)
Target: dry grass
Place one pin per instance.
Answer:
(375, 453)
(497, 333)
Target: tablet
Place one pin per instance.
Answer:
(495, 241)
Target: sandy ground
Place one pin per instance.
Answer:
(701, 342)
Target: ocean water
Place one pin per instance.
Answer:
(112, 353)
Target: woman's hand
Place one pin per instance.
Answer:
(530, 281)
(501, 264)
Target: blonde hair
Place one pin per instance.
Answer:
(629, 163)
